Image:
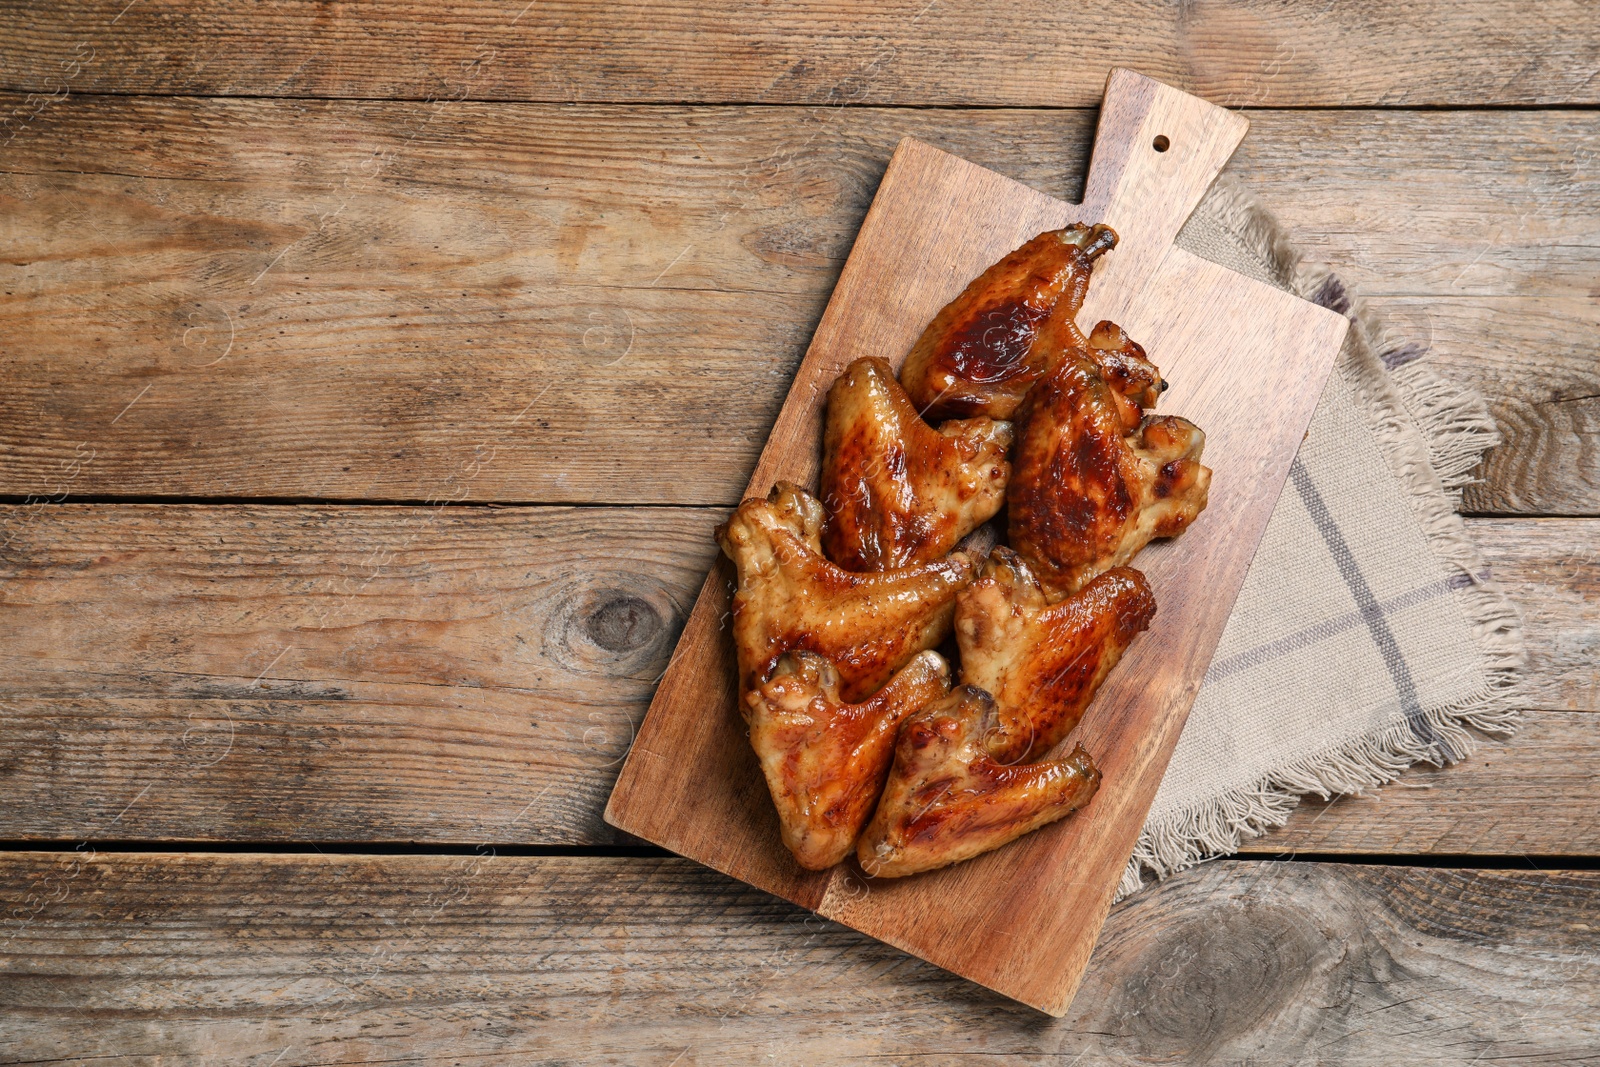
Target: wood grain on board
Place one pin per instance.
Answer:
(1249, 362)
(299, 960)
(822, 52)
(136, 639)
(313, 299)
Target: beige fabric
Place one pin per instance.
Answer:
(1368, 633)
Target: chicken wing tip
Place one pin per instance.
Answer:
(1094, 241)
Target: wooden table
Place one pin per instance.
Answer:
(374, 376)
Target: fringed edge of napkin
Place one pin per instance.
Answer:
(1432, 432)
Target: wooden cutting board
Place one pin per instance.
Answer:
(1247, 362)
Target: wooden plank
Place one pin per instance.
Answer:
(105, 689)
(432, 271)
(299, 771)
(321, 959)
(1301, 53)
(269, 673)
(1450, 204)
(1495, 203)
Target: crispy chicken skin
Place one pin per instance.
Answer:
(1042, 663)
(948, 799)
(1086, 494)
(790, 597)
(897, 490)
(1134, 380)
(977, 356)
(825, 760)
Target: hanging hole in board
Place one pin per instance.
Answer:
(1161, 144)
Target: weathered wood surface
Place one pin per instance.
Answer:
(571, 233)
(298, 960)
(278, 288)
(1238, 52)
(450, 666)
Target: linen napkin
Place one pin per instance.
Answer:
(1368, 634)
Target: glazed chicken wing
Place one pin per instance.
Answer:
(1135, 382)
(1042, 663)
(825, 760)
(948, 799)
(897, 490)
(978, 356)
(790, 597)
(1086, 494)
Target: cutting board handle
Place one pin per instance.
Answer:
(1156, 152)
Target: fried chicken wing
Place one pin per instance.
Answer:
(897, 490)
(1086, 494)
(1135, 382)
(825, 760)
(979, 356)
(1042, 663)
(948, 799)
(790, 597)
